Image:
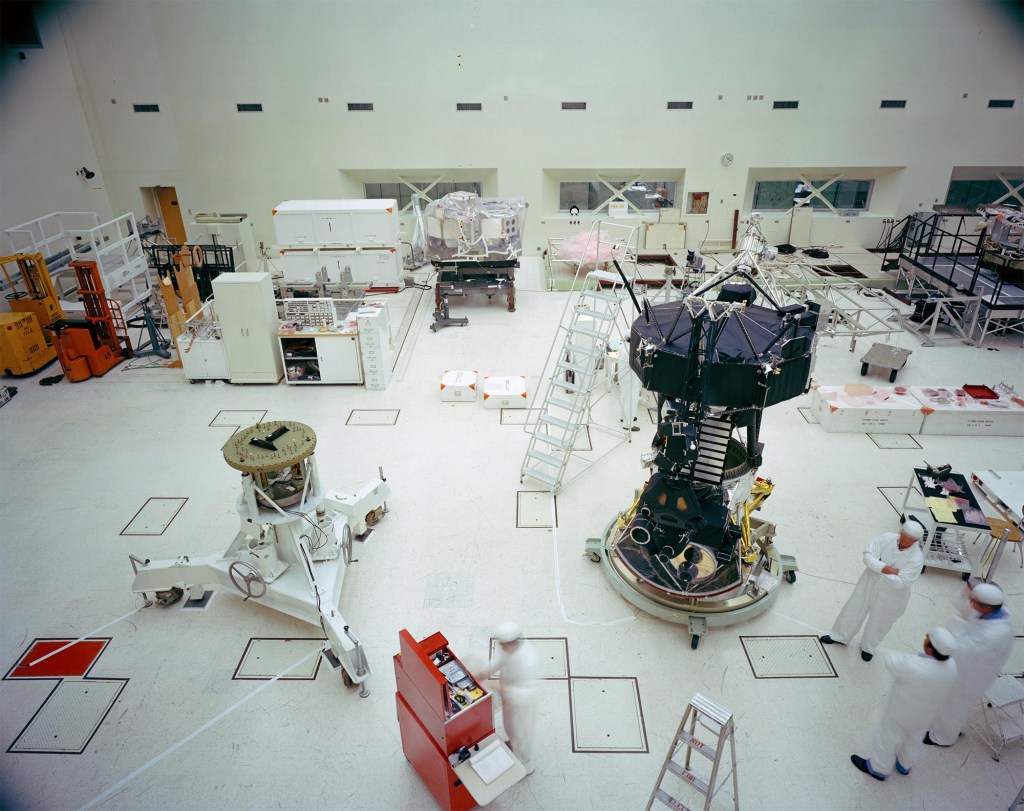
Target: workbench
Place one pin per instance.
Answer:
(460, 277)
(950, 411)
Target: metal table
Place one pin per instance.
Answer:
(950, 513)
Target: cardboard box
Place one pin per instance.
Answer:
(458, 387)
(505, 392)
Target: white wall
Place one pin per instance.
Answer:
(414, 60)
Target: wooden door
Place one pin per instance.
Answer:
(170, 213)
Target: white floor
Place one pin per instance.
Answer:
(80, 460)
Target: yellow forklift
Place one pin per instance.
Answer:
(24, 346)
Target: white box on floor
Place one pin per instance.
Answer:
(458, 387)
(505, 392)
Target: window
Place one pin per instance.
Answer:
(250, 108)
(973, 193)
(402, 191)
(466, 106)
(893, 104)
(146, 108)
(574, 105)
(360, 106)
(594, 195)
(1004, 104)
(785, 105)
(777, 195)
(680, 105)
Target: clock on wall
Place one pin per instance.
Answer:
(727, 159)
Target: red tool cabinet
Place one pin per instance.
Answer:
(432, 727)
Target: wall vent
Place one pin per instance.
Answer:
(785, 105)
(1004, 104)
(893, 104)
(353, 107)
(146, 108)
(680, 105)
(574, 105)
(468, 105)
(250, 108)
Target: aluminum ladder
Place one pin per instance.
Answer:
(587, 327)
(717, 720)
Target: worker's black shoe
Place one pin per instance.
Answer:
(827, 640)
(867, 657)
(865, 766)
(928, 740)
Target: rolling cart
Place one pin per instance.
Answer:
(885, 356)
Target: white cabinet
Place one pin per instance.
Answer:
(336, 222)
(248, 323)
(320, 357)
(377, 267)
(375, 345)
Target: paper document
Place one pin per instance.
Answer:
(492, 762)
(941, 509)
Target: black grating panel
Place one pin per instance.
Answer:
(574, 105)
(250, 108)
(893, 104)
(360, 106)
(680, 105)
(146, 108)
(1004, 104)
(468, 106)
(785, 105)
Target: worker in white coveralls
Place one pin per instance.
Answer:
(984, 635)
(892, 563)
(518, 665)
(920, 686)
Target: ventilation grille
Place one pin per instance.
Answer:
(468, 105)
(146, 108)
(785, 105)
(353, 107)
(680, 105)
(1004, 104)
(893, 104)
(250, 108)
(574, 105)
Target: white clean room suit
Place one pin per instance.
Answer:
(879, 598)
(920, 686)
(518, 690)
(983, 646)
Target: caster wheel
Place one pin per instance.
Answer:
(863, 369)
(790, 577)
(892, 376)
(192, 382)
(694, 641)
(965, 576)
(345, 678)
(593, 556)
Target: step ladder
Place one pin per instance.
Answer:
(587, 326)
(701, 715)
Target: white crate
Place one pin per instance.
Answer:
(505, 392)
(459, 387)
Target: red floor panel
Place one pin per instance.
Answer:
(74, 661)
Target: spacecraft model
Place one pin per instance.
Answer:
(294, 545)
(688, 549)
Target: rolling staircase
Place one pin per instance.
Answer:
(593, 316)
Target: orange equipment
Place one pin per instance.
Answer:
(39, 296)
(96, 344)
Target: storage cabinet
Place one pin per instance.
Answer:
(336, 222)
(375, 346)
(320, 357)
(434, 724)
(248, 322)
